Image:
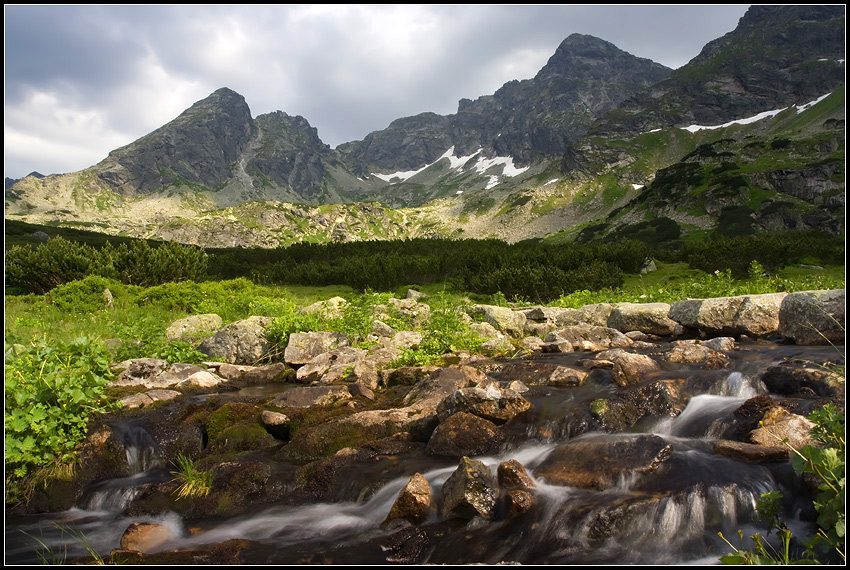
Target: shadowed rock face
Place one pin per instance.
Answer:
(290, 153)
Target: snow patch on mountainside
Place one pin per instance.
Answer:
(754, 118)
(481, 166)
(484, 164)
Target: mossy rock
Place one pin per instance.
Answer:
(242, 437)
(229, 414)
(322, 440)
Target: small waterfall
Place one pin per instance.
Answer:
(708, 415)
(139, 445)
(739, 386)
(115, 495)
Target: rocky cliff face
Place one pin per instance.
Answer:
(200, 147)
(526, 119)
(289, 153)
(776, 57)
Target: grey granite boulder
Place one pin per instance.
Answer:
(813, 317)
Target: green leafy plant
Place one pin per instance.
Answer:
(193, 481)
(446, 331)
(51, 392)
(826, 463)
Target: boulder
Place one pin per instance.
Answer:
(240, 485)
(813, 317)
(589, 337)
(302, 347)
(487, 400)
(803, 379)
(193, 327)
(176, 374)
(276, 423)
(410, 308)
(139, 372)
(543, 374)
(539, 330)
(442, 382)
(753, 315)
(503, 319)
(404, 339)
(469, 492)
(366, 371)
(512, 475)
(598, 463)
(719, 343)
(595, 315)
(779, 424)
(148, 398)
(332, 308)
(556, 344)
(663, 397)
(649, 318)
(517, 501)
(232, 371)
(629, 368)
(749, 452)
(201, 379)
(485, 330)
(145, 537)
(414, 294)
(267, 373)
(759, 314)
(497, 346)
(381, 329)
(465, 434)
(406, 375)
(330, 366)
(694, 353)
(242, 342)
(531, 344)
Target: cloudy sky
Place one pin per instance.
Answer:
(83, 80)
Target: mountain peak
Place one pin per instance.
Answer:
(581, 55)
(198, 146)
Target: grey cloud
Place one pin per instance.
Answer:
(128, 63)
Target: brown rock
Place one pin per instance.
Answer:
(517, 501)
(414, 502)
(780, 425)
(512, 475)
(465, 434)
(145, 537)
(598, 462)
(488, 401)
(749, 452)
(469, 492)
(629, 368)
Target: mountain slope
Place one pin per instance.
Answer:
(777, 56)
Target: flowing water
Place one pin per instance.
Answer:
(671, 516)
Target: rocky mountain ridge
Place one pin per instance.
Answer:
(546, 157)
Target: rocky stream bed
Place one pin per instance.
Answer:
(618, 434)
